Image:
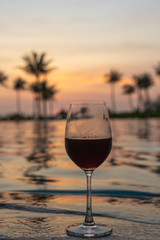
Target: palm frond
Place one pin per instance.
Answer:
(35, 57)
(3, 78)
(48, 92)
(36, 64)
(143, 80)
(41, 59)
(113, 76)
(128, 89)
(19, 84)
(35, 87)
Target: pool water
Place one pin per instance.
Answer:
(38, 180)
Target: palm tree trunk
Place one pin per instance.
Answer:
(33, 105)
(113, 101)
(51, 107)
(44, 108)
(147, 99)
(18, 102)
(37, 105)
(130, 102)
(140, 100)
(39, 98)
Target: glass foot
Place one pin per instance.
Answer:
(81, 230)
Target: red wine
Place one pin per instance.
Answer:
(88, 154)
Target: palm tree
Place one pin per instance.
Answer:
(35, 89)
(52, 92)
(84, 111)
(146, 83)
(113, 77)
(48, 93)
(157, 69)
(129, 90)
(138, 85)
(37, 65)
(44, 93)
(19, 84)
(3, 78)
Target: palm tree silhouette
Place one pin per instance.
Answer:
(113, 77)
(19, 84)
(48, 93)
(35, 89)
(52, 92)
(129, 90)
(146, 83)
(45, 96)
(143, 82)
(138, 84)
(3, 78)
(37, 65)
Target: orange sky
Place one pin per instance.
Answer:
(86, 39)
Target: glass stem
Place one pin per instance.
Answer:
(89, 218)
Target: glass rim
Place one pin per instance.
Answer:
(88, 102)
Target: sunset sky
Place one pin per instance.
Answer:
(86, 38)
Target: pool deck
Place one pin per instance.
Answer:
(40, 228)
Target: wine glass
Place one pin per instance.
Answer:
(88, 142)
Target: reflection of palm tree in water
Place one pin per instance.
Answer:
(19, 138)
(136, 158)
(143, 129)
(41, 154)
